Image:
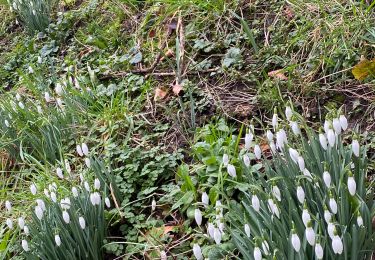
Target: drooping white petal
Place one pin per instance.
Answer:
(248, 140)
(257, 152)
(296, 242)
(301, 163)
(53, 196)
(33, 189)
(319, 251)
(21, 222)
(85, 149)
(305, 217)
(336, 125)
(247, 230)
(39, 212)
(288, 113)
(343, 122)
(82, 222)
(323, 141)
(331, 138)
(79, 150)
(225, 159)
(153, 205)
(59, 173)
(257, 254)
(66, 216)
(198, 216)
(327, 179)
(265, 247)
(327, 216)
(310, 236)
(75, 192)
(246, 160)
(355, 148)
(337, 245)
(8, 205)
(269, 135)
(211, 230)
(274, 121)
(352, 185)
(9, 223)
(107, 202)
(205, 199)
(26, 230)
(41, 204)
(88, 162)
(294, 154)
(360, 221)
(197, 252)
(276, 192)
(331, 229)
(25, 245)
(97, 184)
(217, 236)
(57, 240)
(295, 128)
(333, 205)
(300, 194)
(255, 203)
(231, 170)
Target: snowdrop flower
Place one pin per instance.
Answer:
(26, 230)
(8, 205)
(198, 216)
(197, 252)
(269, 135)
(66, 216)
(288, 113)
(21, 222)
(231, 170)
(6, 122)
(294, 155)
(211, 230)
(352, 186)
(65, 203)
(257, 254)
(33, 189)
(336, 125)
(326, 126)
(265, 247)
(300, 194)
(310, 234)
(248, 140)
(39, 109)
(79, 150)
(34, 13)
(296, 242)
(205, 199)
(359, 220)
(273, 147)
(18, 97)
(75, 192)
(337, 245)
(58, 89)
(246, 160)
(9, 223)
(21, 105)
(272, 207)
(53, 197)
(301, 163)
(47, 97)
(31, 70)
(217, 236)
(88, 162)
(41, 204)
(59, 102)
(85, 149)
(331, 138)
(225, 159)
(59, 173)
(323, 141)
(58, 240)
(333, 205)
(355, 148)
(295, 128)
(46, 193)
(281, 139)
(82, 222)
(153, 205)
(257, 152)
(247, 230)
(327, 179)
(107, 202)
(25, 245)
(319, 251)
(276, 192)
(331, 229)
(255, 203)
(327, 216)
(87, 186)
(163, 255)
(67, 166)
(96, 184)
(40, 60)
(343, 122)
(305, 217)
(274, 120)
(39, 212)
(307, 173)
(95, 198)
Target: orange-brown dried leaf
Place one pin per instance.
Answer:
(278, 74)
(364, 69)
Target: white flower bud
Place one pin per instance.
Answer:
(319, 251)
(58, 240)
(269, 135)
(333, 205)
(82, 222)
(26, 230)
(25, 245)
(343, 122)
(337, 245)
(211, 230)
(355, 148)
(336, 125)
(96, 184)
(273, 147)
(41, 204)
(66, 216)
(231, 170)
(58, 89)
(197, 252)
(288, 113)
(205, 199)
(351, 185)
(87, 162)
(75, 192)
(153, 205)
(217, 236)
(310, 235)
(327, 179)
(248, 140)
(39, 109)
(18, 97)
(265, 247)
(331, 229)
(295, 128)
(225, 159)
(107, 202)
(301, 163)
(46, 193)
(294, 155)
(255, 203)
(6, 122)
(198, 216)
(47, 97)
(53, 197)
(9, 223)
(67, 166)
(257, 254)
(276, 192)
(85, 149)
(95, 198)
(281, 139)
(257, 152)
(360, 221)
(305, 217)
(300, 194)
(79, 150)
(274, 121)
(39, 212)
(331, 138)
(59, 173)
(87, 186)
(33, 189)
(21, 222)
(323, 141)
(8, 205)
(247, 230)
(296, 243)
(327, 216)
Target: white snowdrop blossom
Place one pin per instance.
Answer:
(300, 194)
(57, 240)
(211, 230)
(296, 242)
(333, 205)
(8, 205)
(319, 251)
(265, 247)
(247, 230)
(47, 97)
(79, 150)
(343, 122)
(248, 140)
(305, 217)
(205, 199)
(310, 235)
(293, 154)
(25, 245)
(87, 186)
(327, 216)
(255, 203)
(276, 192)
(257, 152)
(66, 216)
(295, 128)
(53, 196)
(274, 121)
(352, 186)
(95, 198)
(153, 205)
(67, 166)
(59, 89)
(273, 147)
(6, 122)
(257, 254)
(21, 105)
(82, 222)
(65, 203)
(59, 173)
(26, 230)
(97, 184)
(331, 229)
(198, 217)
(41, 204)
(107, 202)
(46, 193)
(301, 163)
(355, 148)
(307, 173)
(281, 139)
(336, 125)
(272, 207)
(40, 60)
(39, 109)
(323, 141)
(269, 135)
(197, 252)
(337, 245)
(21, 222)
(39, 212)
(231, 170)
(87, 162)
(331, 138)
(85, 149)
(18, 97)
(326, 126)
(288, 113)
(9, 223)
(225, 159)
(246, 160)
(327, 179)
(163, 255)
(75, 192)
(33, 189)
(359, 220)
(217, 236)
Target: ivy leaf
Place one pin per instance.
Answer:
(364, 69)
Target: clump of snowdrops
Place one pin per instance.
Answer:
(309, 201)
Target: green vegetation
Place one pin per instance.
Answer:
(157, 100)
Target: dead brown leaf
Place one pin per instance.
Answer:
(364, 69)
(278, 74)
(160, 94)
